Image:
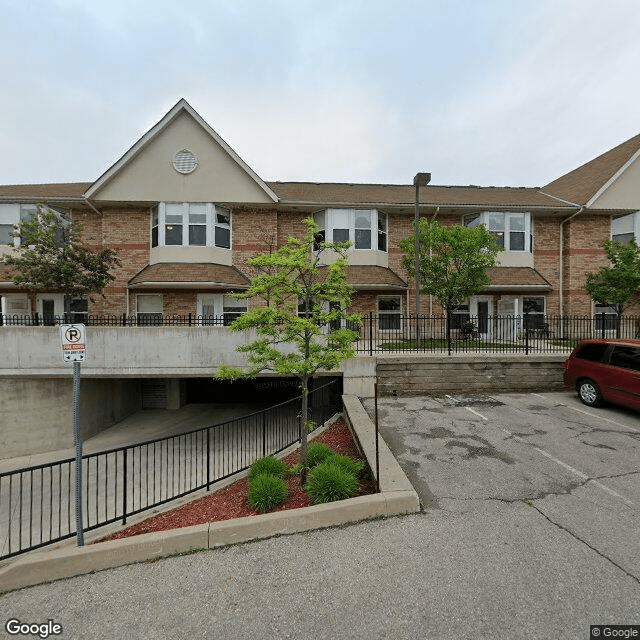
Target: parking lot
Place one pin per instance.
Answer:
(578, 467)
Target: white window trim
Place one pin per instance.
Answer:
(11, 214)
(149, 313)
(211, 224)
(384, 312)
(636, 225)
(528, 228)
(328, 226)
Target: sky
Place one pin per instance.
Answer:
(484, 92)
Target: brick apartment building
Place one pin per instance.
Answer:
(185, 213)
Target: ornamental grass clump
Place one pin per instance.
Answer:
(269, 466)
(318, 452)
(347, 464)
(266, 492)
(329, 482)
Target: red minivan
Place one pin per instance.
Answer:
(605, 370)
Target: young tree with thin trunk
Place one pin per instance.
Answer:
(453, 261)
(304, 300)
(53, 257)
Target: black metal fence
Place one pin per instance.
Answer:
(37, 504)
(461, 333)
(122, 320)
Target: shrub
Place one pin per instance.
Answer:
(318, 452)
(347, 464)
(328, 482)
(294, 470)
(270, 466)
(266, 492)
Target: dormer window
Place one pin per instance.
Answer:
(366, 229)
(190, 224)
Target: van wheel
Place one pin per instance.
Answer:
(589, 393)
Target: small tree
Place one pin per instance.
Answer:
(453, 261)
(53, 257)
(617, 284)
(303, 299)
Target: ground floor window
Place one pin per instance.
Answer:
(606, 317)
(149, 308)
(389, 313)
(14, 306)
(460, 316)
(534, 312)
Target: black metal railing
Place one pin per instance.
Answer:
(462, 333)
(121, 320)
(37, 504)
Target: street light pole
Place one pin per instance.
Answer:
(420, 180)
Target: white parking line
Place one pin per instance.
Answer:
(478, 414)
(593, 415)
(573, 470)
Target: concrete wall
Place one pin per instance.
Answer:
(405, 375)
(36, 414)
(167, 352)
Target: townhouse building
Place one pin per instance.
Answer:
(185, 213)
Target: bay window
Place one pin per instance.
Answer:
(512, 231)
(357, 226)
(190, 224)
(10, 217)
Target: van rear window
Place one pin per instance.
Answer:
(594, 352)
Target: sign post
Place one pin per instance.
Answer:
(74, 350)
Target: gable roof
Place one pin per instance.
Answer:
(584, 184)
(56, 191)
(319, 193)
(182, 106)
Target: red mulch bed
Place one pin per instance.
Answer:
(231, 502)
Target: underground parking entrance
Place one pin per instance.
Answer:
(257, 393)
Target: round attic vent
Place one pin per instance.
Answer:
(185, 161)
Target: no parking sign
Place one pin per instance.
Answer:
(73, 342)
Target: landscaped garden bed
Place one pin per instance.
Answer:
(232, 502)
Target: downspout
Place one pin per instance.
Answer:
(581, 208)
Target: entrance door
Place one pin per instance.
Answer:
(481, 310)
(50, 307)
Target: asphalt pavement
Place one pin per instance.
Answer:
(529, 530)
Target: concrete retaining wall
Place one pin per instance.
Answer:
(36, 414)
(406, 375)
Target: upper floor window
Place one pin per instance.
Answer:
(10, 217)
(364, 228)
(512, 231)
(626, 227)
(190, 224)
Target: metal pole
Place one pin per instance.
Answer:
(375, 391)
(77, 438)
(417, 266)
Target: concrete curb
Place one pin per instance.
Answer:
(397, 497)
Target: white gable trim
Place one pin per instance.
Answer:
(182, 105)
(613, 178)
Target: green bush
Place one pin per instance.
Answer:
(270, 466)
(347, 464)
(266, 492)
(328, 482)
(294, 470)
(318, 452)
